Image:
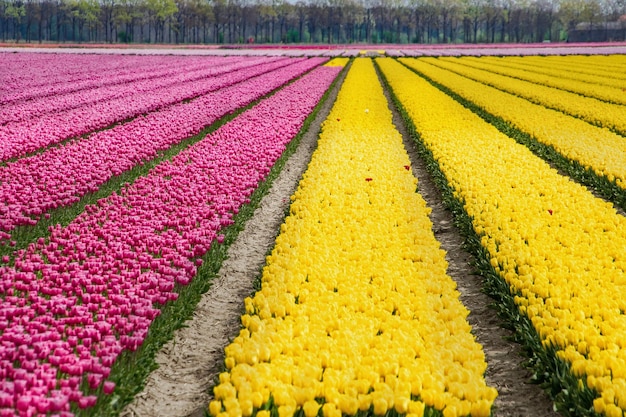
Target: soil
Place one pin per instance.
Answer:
(190, 363)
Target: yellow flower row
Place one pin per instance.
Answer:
(356, 310)
(595, 148)
(372, 51)
(337, 62)
(577, 68)
(594, 111)
(560, 249)
(612, 66)
(557, 77)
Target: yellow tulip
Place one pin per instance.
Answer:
(257, 399)
(401, 405)
(246, 407)
(215, 407)
(286, 410)
(417, 408)
(348, 405)
(311, 408)
(481, 408)
(380, 405)
(330, 410)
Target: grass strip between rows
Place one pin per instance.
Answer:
(132, 368)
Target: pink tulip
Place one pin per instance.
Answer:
(6, 400)
(180, 206)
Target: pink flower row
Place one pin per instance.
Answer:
(70, 95)
(20, 138)
(29, 187)
(73, 303)
(27, 70)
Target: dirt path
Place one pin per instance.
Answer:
(190, 363)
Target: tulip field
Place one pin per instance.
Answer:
(125, 179)
(361, 313)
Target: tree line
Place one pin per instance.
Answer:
(304, 21)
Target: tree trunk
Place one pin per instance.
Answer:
(475, 29)
(418, 27)
(40, 29)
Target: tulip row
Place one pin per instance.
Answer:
(459, 50)
(594, 148)
(558, 248)
(608, 66)
(116, 87)
(340, 62)
(19, 138)
(611, 116)
(32, 186)
(47, 72)
(72, 303)
(356, 313)
(554, 69)
(584, 86)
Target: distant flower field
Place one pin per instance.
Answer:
(124, 177)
